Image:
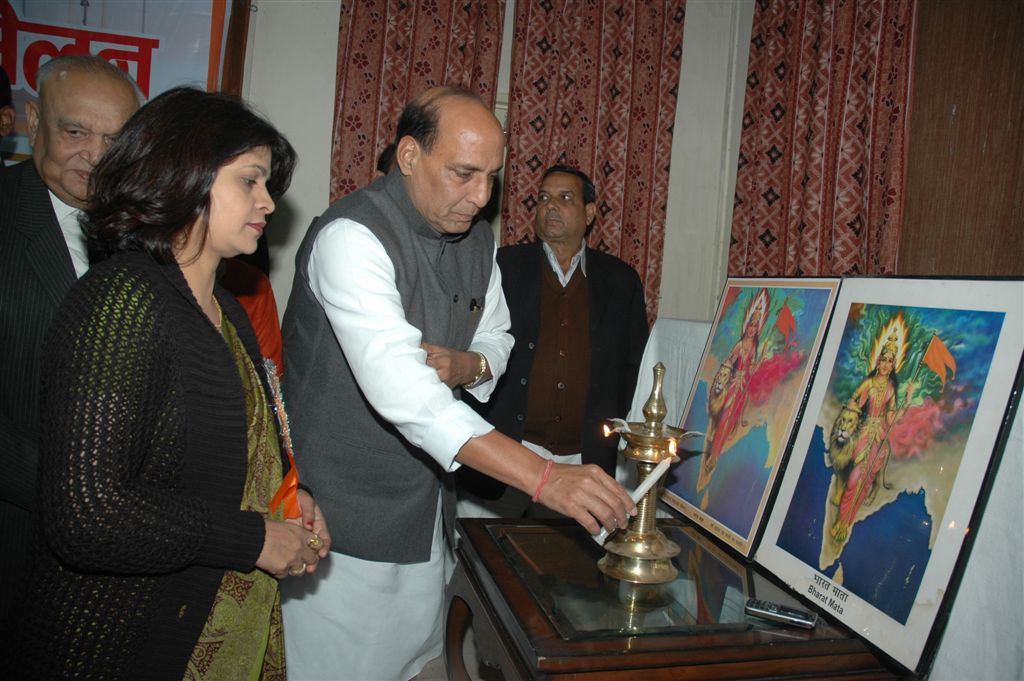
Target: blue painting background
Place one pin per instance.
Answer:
(740, 479)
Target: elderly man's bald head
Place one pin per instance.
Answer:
(83, 102)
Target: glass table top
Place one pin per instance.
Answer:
(558, 564)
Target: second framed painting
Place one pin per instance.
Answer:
(901, 435)
(745, 399)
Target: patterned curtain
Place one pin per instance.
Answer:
(821, 173)
(594, 85)
(389, 51)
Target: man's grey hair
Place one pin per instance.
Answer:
(85, 63)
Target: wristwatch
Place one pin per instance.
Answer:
(478, 379)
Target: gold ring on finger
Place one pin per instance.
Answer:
(315, 542)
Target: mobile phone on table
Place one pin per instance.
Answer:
(780, 613)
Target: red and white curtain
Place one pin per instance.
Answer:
(389, 51)
(594, 85)
(821, 171)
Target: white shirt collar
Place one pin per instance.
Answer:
(580, 260)
(67, 216)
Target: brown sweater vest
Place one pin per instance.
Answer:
(560, 375)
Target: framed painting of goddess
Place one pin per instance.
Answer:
(745, 399)
(903, 428)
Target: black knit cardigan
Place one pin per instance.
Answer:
(143, 464)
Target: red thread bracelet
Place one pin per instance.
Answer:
(543, 479)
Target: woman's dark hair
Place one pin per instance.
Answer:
(154, 182)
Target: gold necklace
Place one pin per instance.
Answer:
(220, 314)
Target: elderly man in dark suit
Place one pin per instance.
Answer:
(83, 102)
(580, 327)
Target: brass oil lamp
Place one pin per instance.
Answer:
(642, 554)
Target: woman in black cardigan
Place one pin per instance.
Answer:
(157, 553)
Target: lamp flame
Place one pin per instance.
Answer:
(672, 447)
(607, 430)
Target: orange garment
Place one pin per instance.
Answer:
(252, 289)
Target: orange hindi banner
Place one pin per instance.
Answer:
(160, 44)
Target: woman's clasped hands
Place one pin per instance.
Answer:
(294, 547)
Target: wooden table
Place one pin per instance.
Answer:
(540, 609)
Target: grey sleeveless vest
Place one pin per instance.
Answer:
(377, 491)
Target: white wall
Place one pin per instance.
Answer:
(289, 76)
(705, 147)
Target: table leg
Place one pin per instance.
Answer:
(456, 626)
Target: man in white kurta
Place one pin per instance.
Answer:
(353, 279)
(397, 303)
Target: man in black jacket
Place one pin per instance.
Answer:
(579, 323)
(83, 102)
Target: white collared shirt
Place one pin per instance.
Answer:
(352, 277)
(578, 260)
(67, 217)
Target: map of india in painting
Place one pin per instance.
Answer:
(888, 442)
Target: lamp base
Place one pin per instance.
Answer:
(640, 558)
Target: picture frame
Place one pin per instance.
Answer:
(882, 494)
(756, 366)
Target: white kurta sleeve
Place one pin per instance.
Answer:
(353, 278)
(492, 337)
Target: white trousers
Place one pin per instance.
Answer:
(359, 620)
